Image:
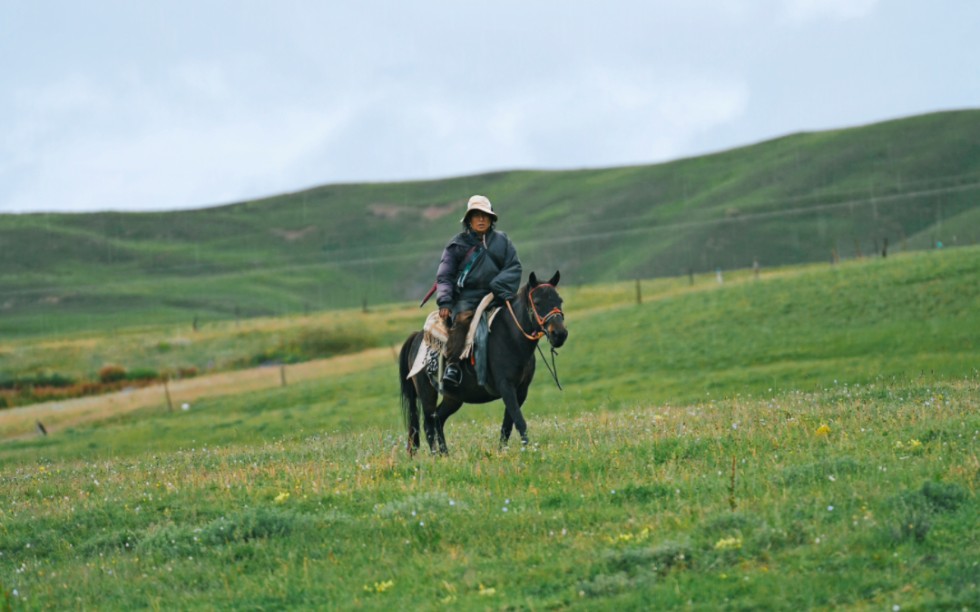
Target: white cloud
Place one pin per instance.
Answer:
(596, 117)
(196, 138)
(294, 95)
(607, 117)
(134, 144)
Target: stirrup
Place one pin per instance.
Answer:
(453, 374)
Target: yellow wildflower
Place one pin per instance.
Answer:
(823, 430)
(282, 497)
(487, 591)
(728, 544)
(379, 587)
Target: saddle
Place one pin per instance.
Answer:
(435, 338)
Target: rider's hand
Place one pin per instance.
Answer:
(444, 313)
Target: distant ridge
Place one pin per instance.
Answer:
(910, 183)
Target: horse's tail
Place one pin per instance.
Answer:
(410, 405)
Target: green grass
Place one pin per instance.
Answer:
(634, 508)
(791, 200)
(807, 439)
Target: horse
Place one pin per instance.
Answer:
(510, 360)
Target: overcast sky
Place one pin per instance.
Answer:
(185, 104)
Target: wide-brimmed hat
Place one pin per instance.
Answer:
(481, 203)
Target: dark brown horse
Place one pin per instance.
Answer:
(534, 314)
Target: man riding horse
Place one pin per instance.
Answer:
(477, 261)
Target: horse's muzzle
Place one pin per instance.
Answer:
(557, 333)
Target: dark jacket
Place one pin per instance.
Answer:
(495, 269)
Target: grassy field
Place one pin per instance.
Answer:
(805, 439)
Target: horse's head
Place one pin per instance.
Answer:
(545, 306)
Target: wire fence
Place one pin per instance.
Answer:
(940, 213)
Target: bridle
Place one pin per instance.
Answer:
(533, 310)
(542, 322)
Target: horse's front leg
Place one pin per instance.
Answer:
(447, 409)
(513, 399)
(429, 420)
(506, 428)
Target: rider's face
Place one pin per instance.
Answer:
(479, 222)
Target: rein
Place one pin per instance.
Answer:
(532, 337)
(541, 321)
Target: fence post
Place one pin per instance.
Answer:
(639, 296)
(282, 375)
(166, 392)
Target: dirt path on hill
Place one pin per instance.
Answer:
(19, 423)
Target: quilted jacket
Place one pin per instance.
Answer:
(492, 267)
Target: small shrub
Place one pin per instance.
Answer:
(915, 511)
(914, 518)
(142, 374)
(313, 344)
(124, 539)
(112, 373)
(658, 559)
(644, 493)
(943, 496)
(605, 585)
(238, 528)
(425, 502)
(728, 524)
(632, 568)
(46, 379)
(820, 471)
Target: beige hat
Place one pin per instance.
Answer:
(481, 203)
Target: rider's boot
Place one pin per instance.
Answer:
(454, 347)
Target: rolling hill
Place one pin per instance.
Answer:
(912, 182)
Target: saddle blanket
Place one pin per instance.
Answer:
(435, 336)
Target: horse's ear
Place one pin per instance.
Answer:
(554, 279)
(532, 281)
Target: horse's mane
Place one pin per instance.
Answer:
(522, 293)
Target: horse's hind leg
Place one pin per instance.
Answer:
(413, 434)
(513, 401)
(428, 397)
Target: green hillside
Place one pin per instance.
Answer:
(802, 198)
(802, 327)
